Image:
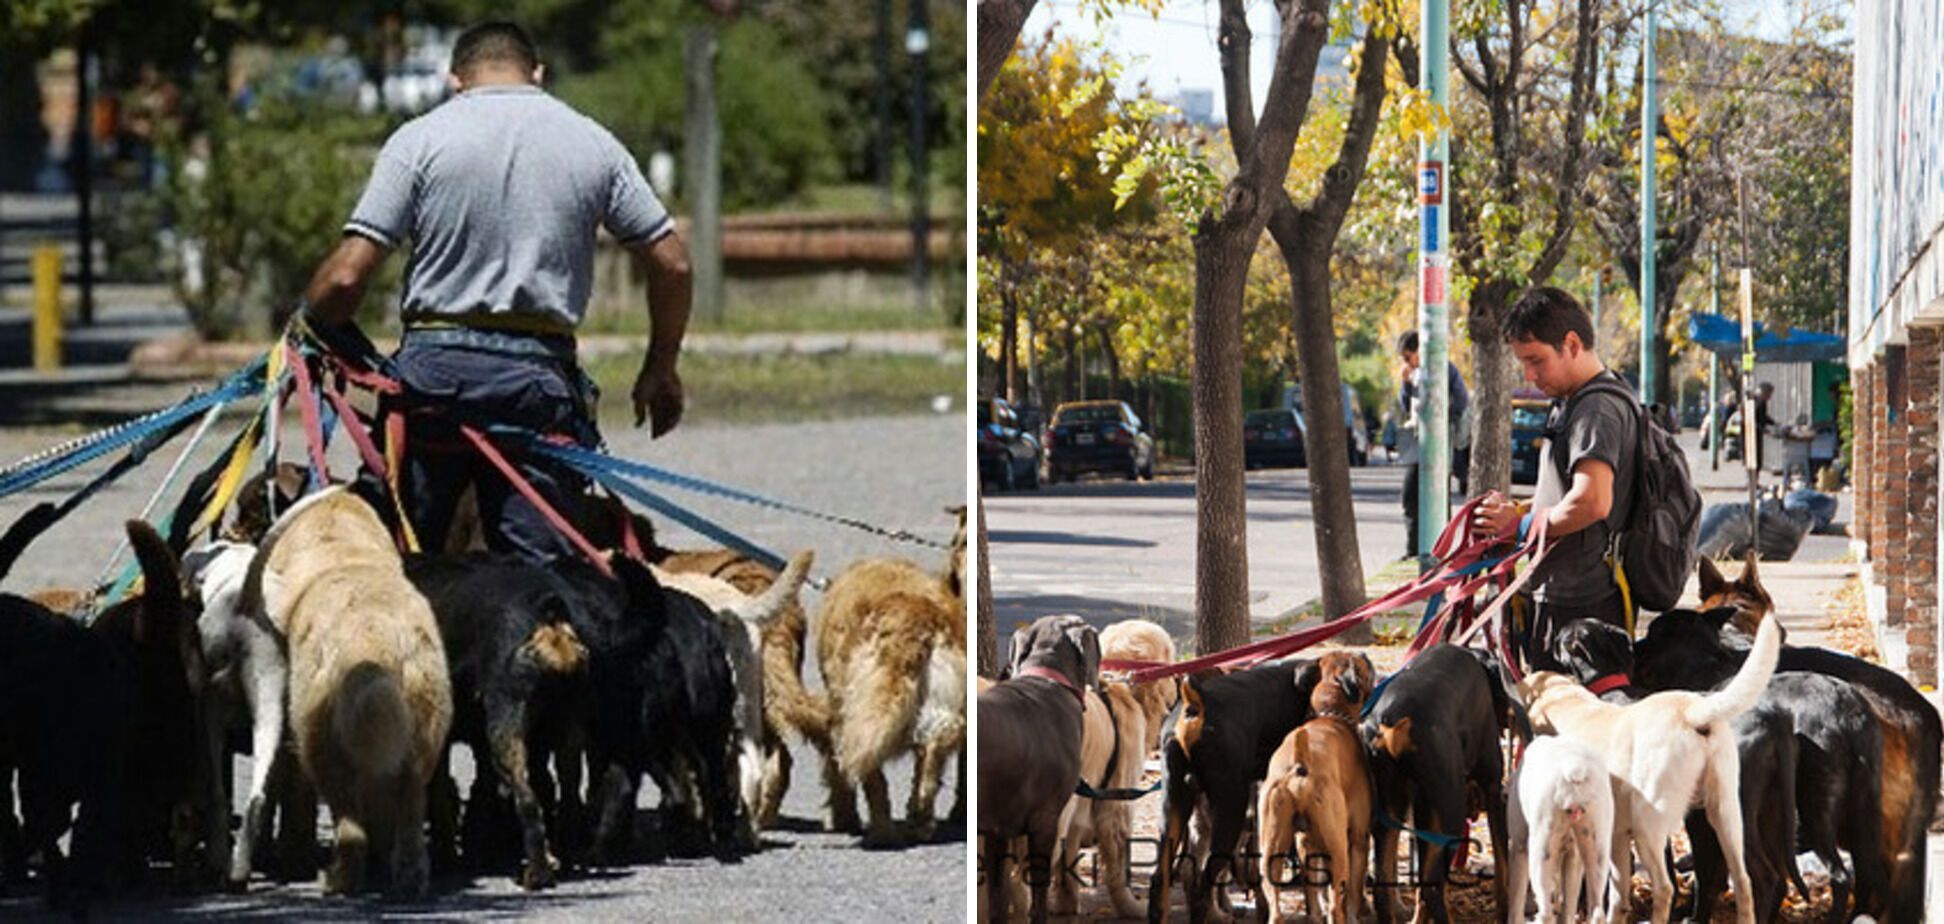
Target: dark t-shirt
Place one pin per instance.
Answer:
(1603, 427)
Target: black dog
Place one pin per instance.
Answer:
(520, 693)
(1433, 728)
(1840, 753)
(1229, 727)
(1600, 656)
(88, 705)
(1029, 751)
(664, 704)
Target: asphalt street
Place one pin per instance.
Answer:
(1113, 549)
(900, 473)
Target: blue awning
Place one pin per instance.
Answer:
(1722, 336)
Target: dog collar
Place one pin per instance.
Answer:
(1609, 682)
(1047, 673)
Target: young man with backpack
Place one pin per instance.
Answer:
(1619, 506)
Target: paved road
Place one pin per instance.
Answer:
(1111, 549)
(898, 472)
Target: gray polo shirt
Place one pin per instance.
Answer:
(500, 190)
(1601, 427)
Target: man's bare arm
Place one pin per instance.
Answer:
(1587, 502)
(339, 283)
(658, 389)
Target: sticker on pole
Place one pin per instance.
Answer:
(1431, 183)
(1434, 285)
(1430, 222)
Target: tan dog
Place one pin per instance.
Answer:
(891, 644)
(1666, 752)
(1112, 751)
(1317, 796)
(370, 699)
(1141, 640)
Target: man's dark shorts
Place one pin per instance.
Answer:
(1547, 619)
(538, 390)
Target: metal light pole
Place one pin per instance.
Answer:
(1649, 324)
(917, 45)
(1714, 369)
(1434, 314)
(1598, 285)
(703, 153)
(1751, 435)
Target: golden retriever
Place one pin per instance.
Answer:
(370, 700)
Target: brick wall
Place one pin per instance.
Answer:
(1862, 454)
(1921, 378)
(1878, 450)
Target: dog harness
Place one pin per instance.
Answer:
(1086, 790)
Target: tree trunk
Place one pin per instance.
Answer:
(1008, 339)
(1339, 555)
(988, 631)
(999, 25)
(1491, 390)
(1076, 375)
(1113, 362)
(1222, 255)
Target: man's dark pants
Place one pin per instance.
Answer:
(446, 385)
(1547, 618)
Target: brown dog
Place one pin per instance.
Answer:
(1141, 640)
(1112, 751)
(1030, 739)
(1317, 795)
(891, 645)
(370, 697)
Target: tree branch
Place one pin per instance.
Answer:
(1585, 51)
(1340, 181)
(1237, 98)
(999, 25)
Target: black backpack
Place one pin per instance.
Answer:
(1656, 539)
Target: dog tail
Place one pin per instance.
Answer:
(781, 591)
(161, 573)
(373, 722)
(24, 531)
(885, 686)
(1741, 692)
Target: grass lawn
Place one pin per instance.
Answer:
(792, 387)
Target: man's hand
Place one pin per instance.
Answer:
(1497, 515)
(658, 396)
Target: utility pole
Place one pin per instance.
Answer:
(883, 94)
(1434, 312)
(1599, 283)
(1751, 435)
(84, 173)
(917, 45)
(704, 169)
(1649, 117)
(1714, 368)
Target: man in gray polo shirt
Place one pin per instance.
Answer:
(499, 192)
(1586, 471)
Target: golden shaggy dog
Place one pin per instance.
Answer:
(891, 643)
(1141, 640)
(370, 702)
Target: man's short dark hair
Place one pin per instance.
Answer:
(1407, 342)
(497, 42)
(1546, 314)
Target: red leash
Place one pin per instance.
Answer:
(526, 489)
(1457, 548)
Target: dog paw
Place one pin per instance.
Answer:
(922, 831)
(882, 839)
(537, 876)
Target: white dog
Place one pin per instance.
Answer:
(1666, 752)
(1560, 811)
(247, 677)
(743, 619)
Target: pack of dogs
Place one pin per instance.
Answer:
(1286, 777)
(348, 671)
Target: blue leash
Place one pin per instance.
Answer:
(609, 469)
(1430, 837)
(694, 521)
(1431, 608)
(70, 455)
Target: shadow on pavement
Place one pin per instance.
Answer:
(1044, 537)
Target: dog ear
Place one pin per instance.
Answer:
(1366, 673)
(1086, 639)
(1719, 616)
(1308, 675)
(1022, 645)
(1748, 577)
(1712, 582)
(1351, 685)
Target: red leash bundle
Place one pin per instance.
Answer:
(1458, 548)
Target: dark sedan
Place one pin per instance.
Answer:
(1009, 453)
(1270, 437)
(1529, 409)
(1097, 436)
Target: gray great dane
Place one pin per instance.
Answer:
(1029, 750)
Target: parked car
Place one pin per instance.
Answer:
(1353, 422)
(1529, 409)
(1270, 437)
(1097, 436)
(1009, 453)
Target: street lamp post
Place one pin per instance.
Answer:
(1434, 312)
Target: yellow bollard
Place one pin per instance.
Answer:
(47, 308)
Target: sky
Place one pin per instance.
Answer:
(1177, 51)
